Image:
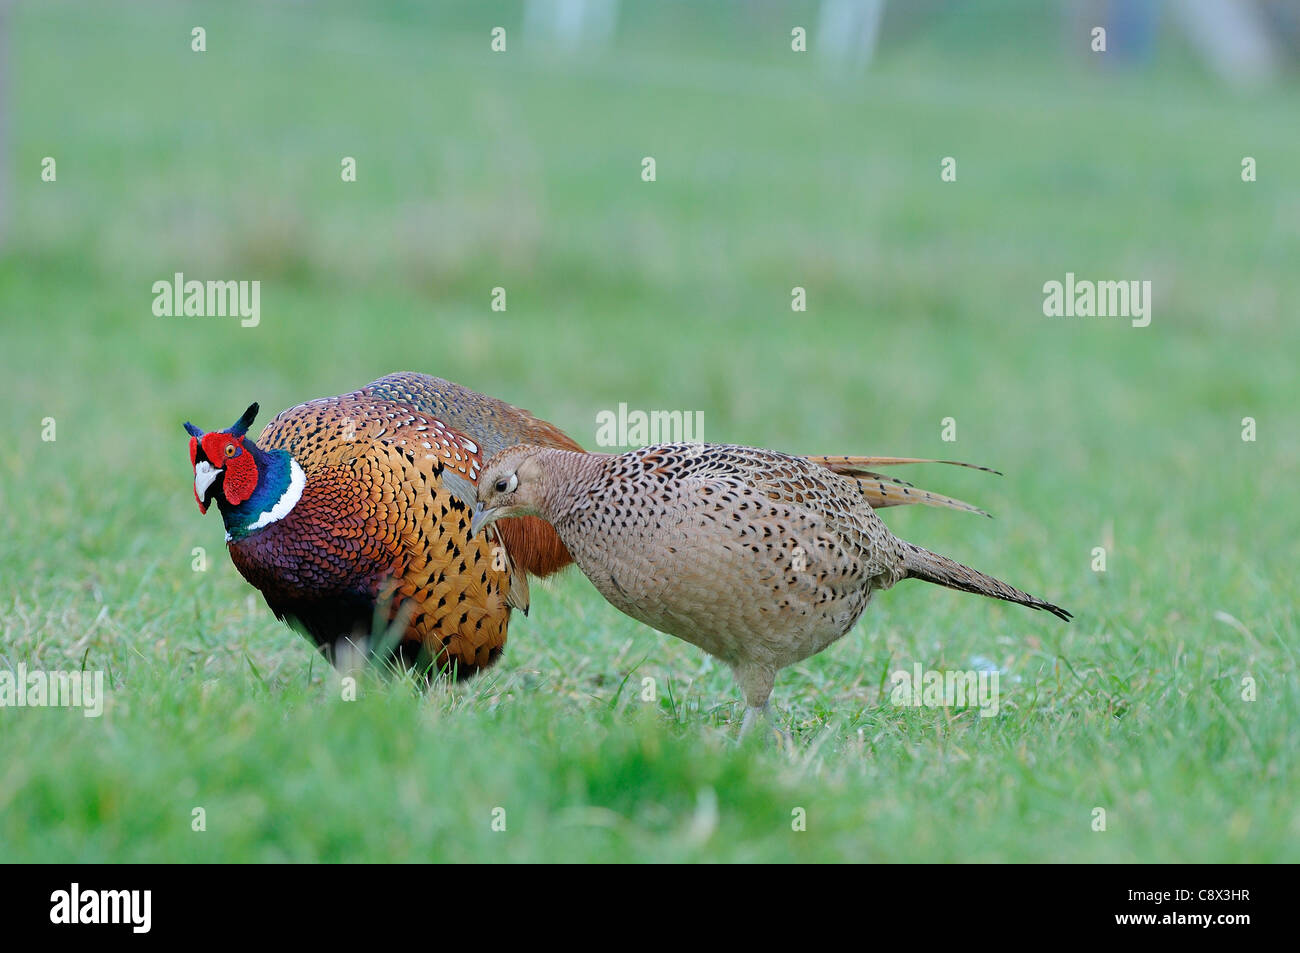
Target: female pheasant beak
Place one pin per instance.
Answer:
(482, 517)
(496, 497)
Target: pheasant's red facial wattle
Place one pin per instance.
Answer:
(241, 478)
(222, 455)
(226, 452)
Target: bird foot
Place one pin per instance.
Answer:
(772, 733)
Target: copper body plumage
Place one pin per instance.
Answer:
(380, 533)
(760, 558)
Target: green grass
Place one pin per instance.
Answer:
(523, 171)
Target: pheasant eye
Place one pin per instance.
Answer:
(501, 486)
(230, 449)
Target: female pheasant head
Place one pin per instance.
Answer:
(250, 486)
(515, 482)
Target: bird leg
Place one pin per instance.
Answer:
(752, 715)
(756, 684)
(784, 740)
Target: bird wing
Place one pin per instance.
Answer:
(492, 423)
(833, 501)
(778, 470)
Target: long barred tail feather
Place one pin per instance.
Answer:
(940, 570)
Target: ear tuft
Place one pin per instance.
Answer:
(243, 423)
(192, 430)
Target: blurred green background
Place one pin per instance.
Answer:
(775, 169)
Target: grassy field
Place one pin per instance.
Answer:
(522, 170)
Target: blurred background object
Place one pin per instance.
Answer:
(847, 31)
(570, 24)
(1232, 38)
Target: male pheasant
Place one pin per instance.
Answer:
(759, 558)
(350, 514)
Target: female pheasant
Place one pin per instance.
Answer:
(350, 515)
(759, 558)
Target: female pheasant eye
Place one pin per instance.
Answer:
(505, 485)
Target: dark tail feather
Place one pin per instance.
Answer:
(940, 570)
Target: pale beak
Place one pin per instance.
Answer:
(204, 474)
(480, 519)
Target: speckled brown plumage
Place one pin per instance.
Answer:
(759, 558)
(381, 529)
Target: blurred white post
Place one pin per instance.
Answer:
(1231, 37)
(572, 23)
(847, 31)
